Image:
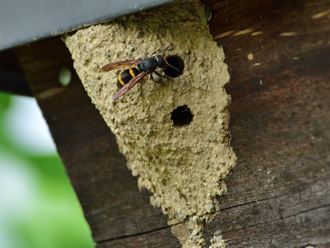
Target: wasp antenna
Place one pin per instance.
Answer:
(173, 67)
(155, 51)
(164, 52)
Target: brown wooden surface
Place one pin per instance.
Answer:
(279, 193)
(11, 76)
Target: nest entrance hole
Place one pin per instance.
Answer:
(181, 116)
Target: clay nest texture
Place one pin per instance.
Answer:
(180, 165)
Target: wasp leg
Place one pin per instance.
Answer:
(152, 78)
(163, 76)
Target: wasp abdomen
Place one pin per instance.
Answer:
(126, 75)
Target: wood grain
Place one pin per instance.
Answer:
(278, 53)
(278, 195)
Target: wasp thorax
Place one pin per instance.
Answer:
(148, 64)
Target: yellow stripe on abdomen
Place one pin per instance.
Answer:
(120, 80)
(132, 73)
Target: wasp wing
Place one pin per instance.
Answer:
(120, 64)
(129, 85)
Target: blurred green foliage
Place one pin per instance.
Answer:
(46, 213)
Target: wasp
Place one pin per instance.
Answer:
(130, 77)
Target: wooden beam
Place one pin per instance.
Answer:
(278, 53)
(12, 79)
(278, 195)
